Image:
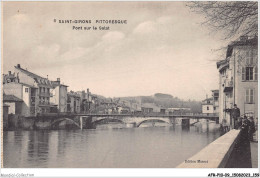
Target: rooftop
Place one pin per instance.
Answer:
(244, 41)
(208, 99)
(11, 98)
(215, 91)
(33, 75)
(39, 79)
(24, 84)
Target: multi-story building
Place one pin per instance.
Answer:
(73, 102)
(215, 96)
(207, 106)
(238, 78)
(83, 101)
(210, 105)
(88, 101)
(42, 89)
(27, 94)
(59, 95)
(39, 94)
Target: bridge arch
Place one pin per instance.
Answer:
(153, 120)
(108, 120)
(57, 121)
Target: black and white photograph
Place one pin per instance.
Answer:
(141, 84)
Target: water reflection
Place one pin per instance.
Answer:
(38, 146)
(118, 148)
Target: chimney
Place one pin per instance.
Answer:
(18, 65)
(9, 73)
(87, 90)
(243, 38)
(58, 80)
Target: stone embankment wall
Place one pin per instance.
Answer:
(216, 154)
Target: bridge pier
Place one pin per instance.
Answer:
(81, 123)
(207, 125)
(86, 122)
(185, 123)
(172, 120)
(134, 124)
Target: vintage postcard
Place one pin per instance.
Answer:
(143, 84)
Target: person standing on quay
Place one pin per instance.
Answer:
(251, 128)
(245, 130)
(234, 114)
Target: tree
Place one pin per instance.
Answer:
(231, 17)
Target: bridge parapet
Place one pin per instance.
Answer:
(215, 155)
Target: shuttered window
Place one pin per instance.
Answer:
(256, 73)
(249, 96)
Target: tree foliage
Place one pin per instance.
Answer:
(231, 17)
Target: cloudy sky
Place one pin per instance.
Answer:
(162, 48)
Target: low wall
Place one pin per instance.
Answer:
(13, 122)
(27, 123)
(214, 155)
(16, 122)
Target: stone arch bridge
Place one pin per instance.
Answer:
(82, 121)
(135, 121)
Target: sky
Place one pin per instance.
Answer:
(163, 48)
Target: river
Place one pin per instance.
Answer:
(143, 147)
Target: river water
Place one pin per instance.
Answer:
(144, 147)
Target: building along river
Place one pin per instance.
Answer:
(148, 146)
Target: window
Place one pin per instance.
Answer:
(249, 58)
(207, 108)
(247, 73)
(249, 95)
(214, 107)
(250, 70)
(256, 73)
(26, 90)
(43, 89)
(223, 73)
(48, 90)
